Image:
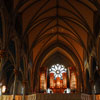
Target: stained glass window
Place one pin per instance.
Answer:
(58, 70)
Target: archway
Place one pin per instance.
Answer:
(65, 51)
(58, 79)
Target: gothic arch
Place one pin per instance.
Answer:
(43, 54)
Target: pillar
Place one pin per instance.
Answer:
(24, 88)
(14, 87)
(68, 78)
(3, 53)
(0, 91)
(48, 79)
(92, 87)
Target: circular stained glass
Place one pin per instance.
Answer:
(57, 70)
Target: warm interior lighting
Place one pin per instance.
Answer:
(58, 82)
(73, 82)
(64, 80)
(58, 78)
(52, 81)
(3, 89)
(42, 81)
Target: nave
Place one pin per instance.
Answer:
(49, 49)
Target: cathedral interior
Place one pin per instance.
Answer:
(49, 47)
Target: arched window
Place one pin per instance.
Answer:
(58, 70)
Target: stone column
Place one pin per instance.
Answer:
(37, 83)
(0, 91)
(68, 78)
(24, 85)
(92, 88)
(3, 53)
(14, 87)
(48, 79)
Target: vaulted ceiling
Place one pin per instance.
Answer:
(60, 30)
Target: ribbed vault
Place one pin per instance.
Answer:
(56, 28)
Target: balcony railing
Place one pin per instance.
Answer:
(56, 96)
